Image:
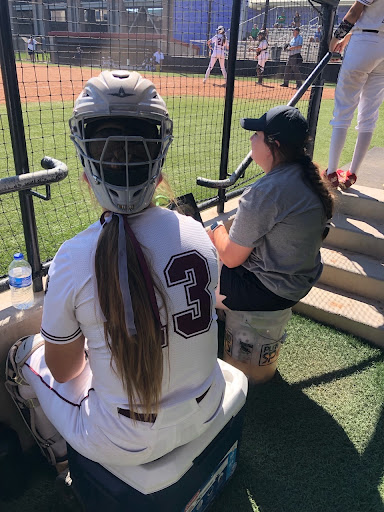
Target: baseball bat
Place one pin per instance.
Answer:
(205, 182)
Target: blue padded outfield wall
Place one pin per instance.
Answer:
(191, 18)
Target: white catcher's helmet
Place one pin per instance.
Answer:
(122, 131)
(220, 29)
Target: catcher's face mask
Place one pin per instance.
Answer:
(114, 148)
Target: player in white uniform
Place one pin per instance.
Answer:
(360, 83)
(220, 44)
(135, 292)
(262, 55)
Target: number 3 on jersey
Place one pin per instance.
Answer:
(190, 270)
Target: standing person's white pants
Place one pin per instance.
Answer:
(214, 58)
(262, 59)
(360, 82)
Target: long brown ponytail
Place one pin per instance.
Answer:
(314, 179)
(287, 153)
(138, 359)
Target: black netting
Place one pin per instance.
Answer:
(58, 47)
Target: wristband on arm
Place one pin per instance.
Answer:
(216, 224)
(343, 29)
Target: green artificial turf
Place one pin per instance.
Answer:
(313, 438)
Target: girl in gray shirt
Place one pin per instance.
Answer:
(271, 256)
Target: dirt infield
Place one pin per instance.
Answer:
(49, 83)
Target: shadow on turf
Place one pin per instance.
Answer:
(296, 458)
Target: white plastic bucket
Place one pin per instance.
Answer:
(253, 340)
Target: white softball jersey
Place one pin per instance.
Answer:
(264, 54)
(219, 42)
(85, 409)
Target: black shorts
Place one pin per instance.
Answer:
(245, 292)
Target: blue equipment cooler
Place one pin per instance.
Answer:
(186, 480)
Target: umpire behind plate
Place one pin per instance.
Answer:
(292, 68)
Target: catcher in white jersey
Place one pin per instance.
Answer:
(125, 368)
(360, 84)
(262, 55)
(219, 44)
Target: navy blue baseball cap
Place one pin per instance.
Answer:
(285, 124)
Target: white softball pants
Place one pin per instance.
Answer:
(212, 62)
(96, 430)
(361, 82)
(262, 59)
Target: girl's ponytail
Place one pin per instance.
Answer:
(137, 359)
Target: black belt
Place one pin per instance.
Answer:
(150, 418)
(369, 30)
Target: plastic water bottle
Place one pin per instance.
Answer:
(20, 282)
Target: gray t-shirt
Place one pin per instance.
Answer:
(283, 220)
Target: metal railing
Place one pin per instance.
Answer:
(54, 172)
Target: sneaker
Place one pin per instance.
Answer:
(349, 180)
(204, 80)
(332, 178)
(283, 85)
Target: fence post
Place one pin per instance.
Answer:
(265, 22)
(19, 147)
(232, 55)
(317, 88)
(209, 20)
